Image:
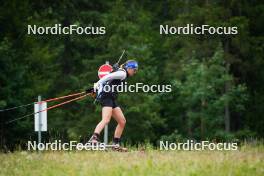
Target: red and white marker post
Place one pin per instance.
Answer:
(102, 71)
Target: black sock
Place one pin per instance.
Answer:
(96, 135)
(117, 140)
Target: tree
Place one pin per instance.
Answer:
(202, 93)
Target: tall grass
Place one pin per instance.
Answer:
(247, 160)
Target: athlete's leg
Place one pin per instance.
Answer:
(121, 120)
(106, 117)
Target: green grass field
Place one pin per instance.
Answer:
(245, 161)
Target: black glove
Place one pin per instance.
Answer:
(89, 90)
(115, 67)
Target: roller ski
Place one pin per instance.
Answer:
(119, 148)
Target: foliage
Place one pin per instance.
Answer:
(217, 80)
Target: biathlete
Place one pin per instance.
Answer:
(108, 101)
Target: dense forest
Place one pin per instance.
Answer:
(217, 80)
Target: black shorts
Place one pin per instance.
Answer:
(109, 102)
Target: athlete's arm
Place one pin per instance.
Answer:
(120, 74)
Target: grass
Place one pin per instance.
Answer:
(246, 161)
